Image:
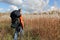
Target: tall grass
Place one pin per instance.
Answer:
(37, 27)
(47, 27)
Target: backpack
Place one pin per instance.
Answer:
(15, 21)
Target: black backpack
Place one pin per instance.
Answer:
(15, 21)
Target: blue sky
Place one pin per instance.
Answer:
(5, 6)
(51, 3)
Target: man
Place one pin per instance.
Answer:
(17, 23)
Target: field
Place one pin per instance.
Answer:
(36, 27)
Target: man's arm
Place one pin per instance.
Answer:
(22, 21)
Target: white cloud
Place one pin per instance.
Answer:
(28, 5)
(4, 10)
(34, 5)
(53, 8)
(1, 9)
(15, 2)
(12, 7)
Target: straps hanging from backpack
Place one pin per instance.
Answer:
(16, 23)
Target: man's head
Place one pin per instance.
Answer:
(19, 11)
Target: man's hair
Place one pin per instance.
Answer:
(19, 10)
